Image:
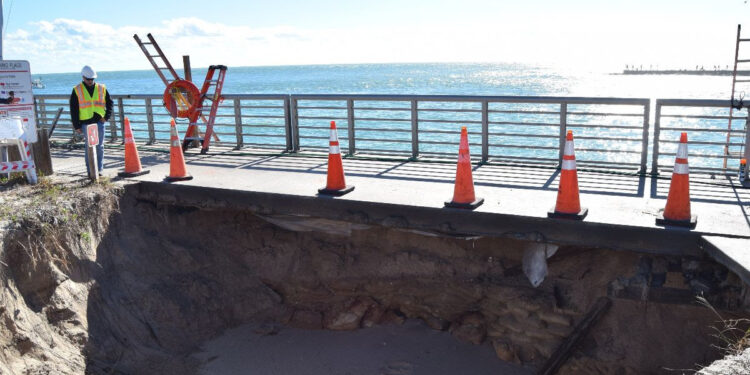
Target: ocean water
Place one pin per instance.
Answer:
(511, 137)
(419, 79)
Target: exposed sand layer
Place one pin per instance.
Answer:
(408, 349)
(98, 280)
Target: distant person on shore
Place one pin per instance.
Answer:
(10, 99)
(90, 104)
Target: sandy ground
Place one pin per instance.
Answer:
(408, 349)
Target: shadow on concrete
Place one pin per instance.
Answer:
(702, 188)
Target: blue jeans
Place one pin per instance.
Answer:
(99, 147)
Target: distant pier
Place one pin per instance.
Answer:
(694, 72)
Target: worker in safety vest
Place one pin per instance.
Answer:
(90, 104)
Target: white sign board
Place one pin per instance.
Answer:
(11, 128)
(16, 98)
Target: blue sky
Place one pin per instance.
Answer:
(61, 36)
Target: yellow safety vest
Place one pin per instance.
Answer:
(90, 104)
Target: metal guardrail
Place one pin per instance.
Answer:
(610, 133)
(705, 121)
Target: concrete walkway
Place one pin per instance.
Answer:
(622, 207)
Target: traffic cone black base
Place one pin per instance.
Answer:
(174, 179)
(133, 174)
(562, 215)
(335, 193)
(465, 206)
(660, 220)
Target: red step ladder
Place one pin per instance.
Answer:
(210, 91)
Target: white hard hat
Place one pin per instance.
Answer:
(87, 72)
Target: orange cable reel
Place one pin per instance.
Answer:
(182, 99)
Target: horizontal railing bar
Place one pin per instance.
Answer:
(261, 116)
(336, 108)
(474, 158)
(389, 109)
(569, 125)
(262, 106)
(451, 121)
(264, 135)
(693, 103)
(706, 156)
(380, 119)
(672, 154)
(447, 143)
(383, 151)
(315, 137)
(384, 130)
(448, 110)
(523, 158)
(271, 126)
(556, 113)
(604, 162)
(264, 145)
(545, 136)
(321, 118)
(522, 123)
(255, 96)
(606, 150)
(704, 117)
(385, 140)
(706, 130)
(625, 139)
(702, 143)
(604, 114)
(468, 98)
(502, 145)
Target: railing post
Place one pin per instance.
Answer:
(238, 123)
(288, 123)
(121, 109)
(43, 110)
(746, 155)
(563, 131)
(485, 131)
(37, 112)
(294, 123)
(150, 122)
(644, 138)
(350, 121)
(657, 130)
(414, 130)
(112, 128)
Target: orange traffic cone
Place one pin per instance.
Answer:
(132, 161)
(177, 170)
(742, 174)
(568, 204)
(463, 190)
(335, 185)
(677, 210)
